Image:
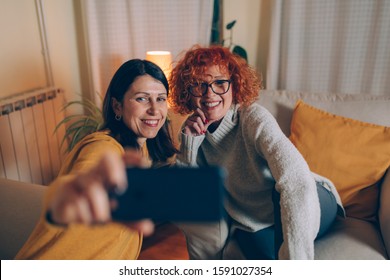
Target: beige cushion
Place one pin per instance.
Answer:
(351, 239)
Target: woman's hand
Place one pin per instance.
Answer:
(197, 123)
(84, 197)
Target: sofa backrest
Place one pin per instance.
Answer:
(367, 108)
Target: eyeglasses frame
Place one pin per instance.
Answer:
(209, 85)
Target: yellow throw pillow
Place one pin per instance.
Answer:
(354, 155)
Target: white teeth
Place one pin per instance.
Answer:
(152, 122)
(212, 104)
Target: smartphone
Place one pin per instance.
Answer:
(179, 194)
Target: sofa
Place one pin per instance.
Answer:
(350, 237)
(20, 209)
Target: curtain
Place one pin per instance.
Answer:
(119, 30)
(330, 46)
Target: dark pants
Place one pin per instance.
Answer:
(264, 244)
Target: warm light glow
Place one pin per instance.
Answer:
(162, 59)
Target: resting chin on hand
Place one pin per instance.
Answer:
(84, 197)
(198, 123)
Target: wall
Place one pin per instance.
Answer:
(251, 30)
(22, 66)
(61, 33)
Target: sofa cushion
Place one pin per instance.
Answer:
(350, 239)
(347, 239)
(353, 154)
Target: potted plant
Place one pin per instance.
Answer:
(233, 47)
(78, 126)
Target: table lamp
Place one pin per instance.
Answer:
(162, 59)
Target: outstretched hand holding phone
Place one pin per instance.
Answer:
(176, 194)
(84, 198)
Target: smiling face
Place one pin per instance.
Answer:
(144, 107)
(213, 105)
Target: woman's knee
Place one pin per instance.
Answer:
(206, 240)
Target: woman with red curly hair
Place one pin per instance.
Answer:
(227, 128)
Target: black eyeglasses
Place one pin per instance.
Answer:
(218, 87)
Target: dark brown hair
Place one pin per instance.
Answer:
(161, 147)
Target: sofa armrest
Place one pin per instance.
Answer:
(384, 211)
(20, 208)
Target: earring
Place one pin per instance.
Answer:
(118, 118)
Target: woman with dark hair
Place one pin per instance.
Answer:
(160, 147)
(76, 221)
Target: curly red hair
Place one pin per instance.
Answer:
(246, 82)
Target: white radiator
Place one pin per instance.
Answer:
(29, 148)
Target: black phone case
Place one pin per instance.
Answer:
(172, 194)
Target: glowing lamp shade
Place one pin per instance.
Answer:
(162, 59)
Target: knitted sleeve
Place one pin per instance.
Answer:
(189, 150)
(300, 210)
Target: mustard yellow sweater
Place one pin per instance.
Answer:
(76, 241)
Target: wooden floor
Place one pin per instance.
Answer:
(167, 243)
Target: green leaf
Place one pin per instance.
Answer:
(67, 119)
(92, 108)
(70, 131)
(240, 51)
(80, 124)
(80, 132)
(230, 24)
(74, 141)
(71, 103)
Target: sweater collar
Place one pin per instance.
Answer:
(227, 124)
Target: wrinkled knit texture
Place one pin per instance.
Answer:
(76, 241)
(247, 142)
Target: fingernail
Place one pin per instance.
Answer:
(204, 131)
(206, 121)
(116, 191)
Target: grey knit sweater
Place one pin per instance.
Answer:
(248, 143)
